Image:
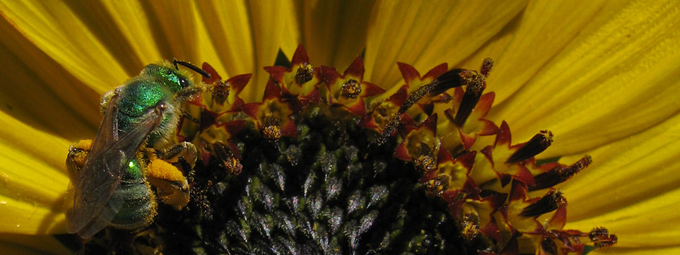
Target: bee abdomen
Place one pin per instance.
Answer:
(139, 202)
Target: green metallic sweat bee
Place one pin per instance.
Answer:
(110, 176)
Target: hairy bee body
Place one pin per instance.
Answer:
(142, 94)
(110, 176)
(139, 202)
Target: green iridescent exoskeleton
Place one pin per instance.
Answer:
(139, 205)
(108, 174)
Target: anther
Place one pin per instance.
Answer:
(438, 184)
(548, 246)
(533, 147)
(229, 160)
(425, 161)
(220, 92)
(472, 94)
(470, 226)
(304, 73)
(601, 238)
(389, 129)
(271, 130)
(546, 204)
(560, 174)
(351, 89)
(415, 96)
(486, 67)
(447, 80)
(411, 100)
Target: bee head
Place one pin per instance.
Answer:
(170, 74)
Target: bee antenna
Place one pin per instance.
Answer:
(190, 66)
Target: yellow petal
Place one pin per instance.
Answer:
(640, 251)
(651, 223)
(631, 188)
(122, 30)
(29, 218)
(173, 27)
(334, 31)
(32, 179)
(58, 30)
(428, 33)
(30, 244)
(229, 47)
(269, 21)
(39, 91)
(543, 29)
(246, 36)
(616, 78)
(292, 32)
(128, 23)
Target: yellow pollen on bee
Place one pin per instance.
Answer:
(170, 183)
(163, 170)
(85, 144)
(79, 151)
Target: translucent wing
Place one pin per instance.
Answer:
(93, 206)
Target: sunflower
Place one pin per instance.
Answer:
(570, 68)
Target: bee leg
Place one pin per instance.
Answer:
(188, 116)
(75, 160)
(188, 93)
(185, 150)
(77, 154)
(171, 185)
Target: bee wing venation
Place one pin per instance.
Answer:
(93, 206)
(101, 220)
(89, 183)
